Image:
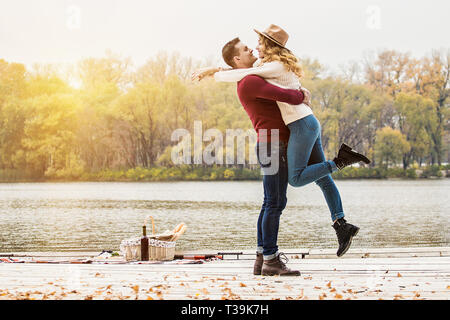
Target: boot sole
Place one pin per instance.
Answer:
(349, 243)
(281, 275)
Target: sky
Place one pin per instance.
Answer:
(334, 32)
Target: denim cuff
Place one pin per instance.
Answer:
(271, 256)
(337, 216)
(333, 166)
(259, 249)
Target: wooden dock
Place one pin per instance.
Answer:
(381, 273)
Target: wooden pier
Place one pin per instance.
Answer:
(381, 273)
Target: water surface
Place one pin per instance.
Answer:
(219, 215)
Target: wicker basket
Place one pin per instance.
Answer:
(157, 249)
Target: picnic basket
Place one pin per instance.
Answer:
(161, 247)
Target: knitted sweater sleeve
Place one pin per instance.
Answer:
(268, 70)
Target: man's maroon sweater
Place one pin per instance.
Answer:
(259, 100)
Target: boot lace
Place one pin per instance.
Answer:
(283, 260)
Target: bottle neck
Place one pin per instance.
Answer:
(144, 230)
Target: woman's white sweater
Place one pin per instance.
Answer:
(276, 74)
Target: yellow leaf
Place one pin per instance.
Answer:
(242, 284)
(329, 284)
(338, 296)
(399, 275)
(149, 298)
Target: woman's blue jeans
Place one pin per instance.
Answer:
(306, 162)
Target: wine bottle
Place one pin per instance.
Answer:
(144, 245)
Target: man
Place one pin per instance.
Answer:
(259, 100)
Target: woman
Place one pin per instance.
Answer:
(306, 159)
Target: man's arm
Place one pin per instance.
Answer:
(260, 88)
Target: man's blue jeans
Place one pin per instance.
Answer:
(307, 163)
(275, 186)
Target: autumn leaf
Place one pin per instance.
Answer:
(399, 275)
(204, 291)
(338, 296)
(242, 284)
(135, 288)
(149, 298)
(329, 284)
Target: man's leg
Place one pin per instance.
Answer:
(275, 187)
(260, 247)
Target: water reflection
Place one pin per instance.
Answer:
(219, 215)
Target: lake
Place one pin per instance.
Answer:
(219, 215)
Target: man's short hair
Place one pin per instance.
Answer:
(230, 51)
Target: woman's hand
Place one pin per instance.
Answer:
(307, 94)
(203, 73)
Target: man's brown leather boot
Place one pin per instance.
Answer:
(258, 264)
(276, 267)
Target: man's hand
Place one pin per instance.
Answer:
(307, 94)
(203, 73)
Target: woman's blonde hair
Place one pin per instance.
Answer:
(273, 52)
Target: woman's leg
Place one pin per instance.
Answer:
(329, 189)
(302, 139)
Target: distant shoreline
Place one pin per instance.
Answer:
(179, 174)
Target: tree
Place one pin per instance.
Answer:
(417, 121)
(390, 146)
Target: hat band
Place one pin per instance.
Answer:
(273, 39)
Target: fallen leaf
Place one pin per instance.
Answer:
(338, 296)
(242, 284)
(329, 284)
(399, 275)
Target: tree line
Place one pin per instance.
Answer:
(106, 114)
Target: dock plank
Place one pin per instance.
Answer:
(403, 276)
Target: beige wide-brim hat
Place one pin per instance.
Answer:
(275, 34)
